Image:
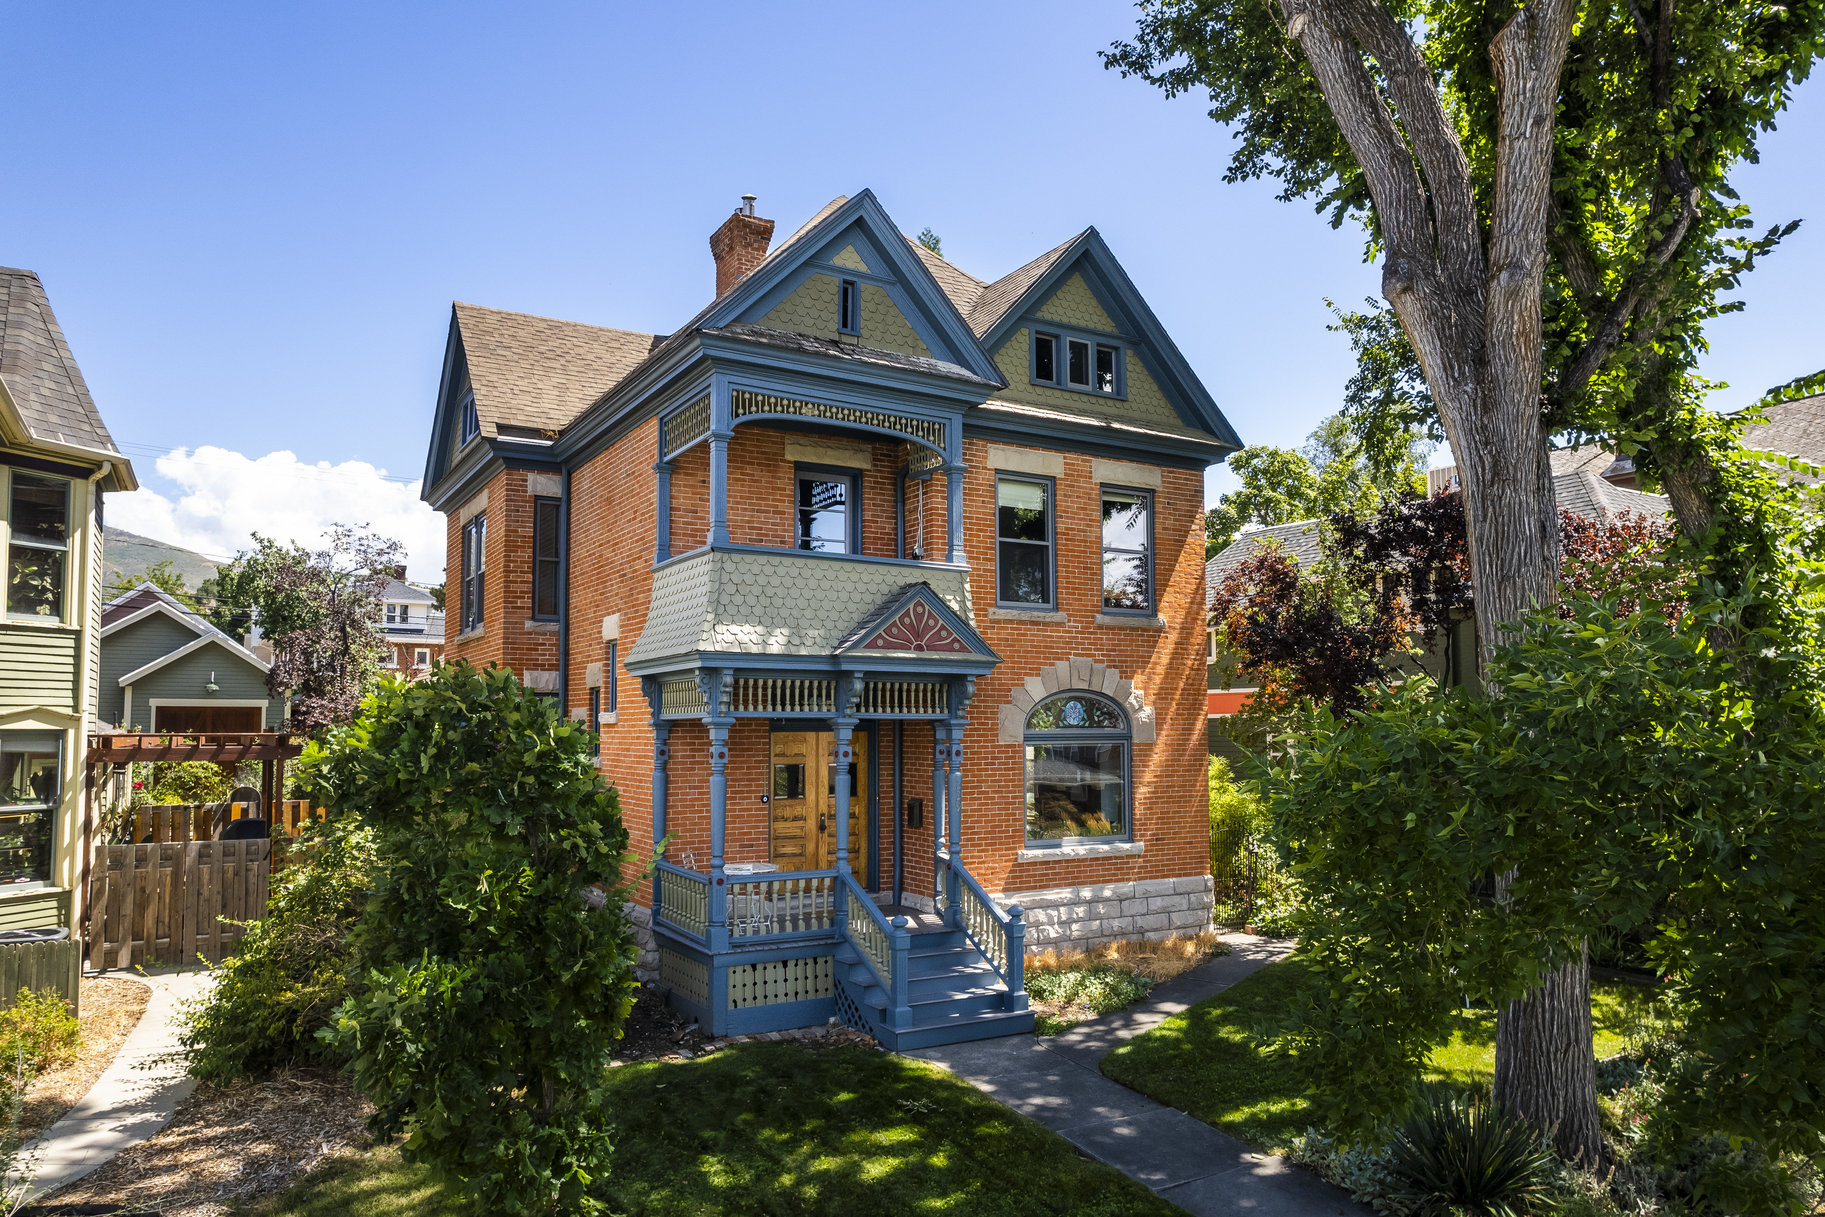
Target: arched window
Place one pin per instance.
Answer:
(1077, 770)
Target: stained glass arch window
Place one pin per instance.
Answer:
(1077, 754)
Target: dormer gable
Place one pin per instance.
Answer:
(1070, 332)
(851, 277)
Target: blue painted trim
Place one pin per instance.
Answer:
(977, 644)
(1051, 487)
(1094, 439)
(913, 563)
(1067, 736)
(1062, 336)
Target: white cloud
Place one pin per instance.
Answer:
(214, 500)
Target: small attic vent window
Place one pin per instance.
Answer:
(472, 424)
(848, 315)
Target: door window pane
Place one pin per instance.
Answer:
(824, 505)
(788, 781)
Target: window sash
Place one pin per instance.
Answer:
(472, 423)
(1077, 363)
(1007, 548)
(1142, 555)
(595, 722)
(37, 567)
(475, 534)
(850, 535)
(608, 675)
(848, 310)
(545, 565)
(28, 825)
(1107, 791)
(1045, 358)
(1106, 381)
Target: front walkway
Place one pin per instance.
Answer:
(1057, 1081)
(132, 1099)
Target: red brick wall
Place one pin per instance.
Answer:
(505, 638)
(613, 535)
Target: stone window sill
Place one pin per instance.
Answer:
(542, 627)
(1048, 617)
(466, 635)
(1132, 623)
(1054, 853)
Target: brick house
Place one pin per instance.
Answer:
(883, 586)
(412, 627)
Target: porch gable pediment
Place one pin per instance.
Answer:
(915, 622)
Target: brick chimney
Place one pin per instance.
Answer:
(739, 245)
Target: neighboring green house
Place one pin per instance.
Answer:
(57, 459)
(165, 668)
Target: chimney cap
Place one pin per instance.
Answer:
(747, 204)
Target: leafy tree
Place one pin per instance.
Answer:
(1278, 486)
(321, 612)
(494, 979)
(1634, 772)
(931, 241)
(1548, 188)
(437, 596)
(162, 575)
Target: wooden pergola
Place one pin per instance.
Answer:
(119, 748)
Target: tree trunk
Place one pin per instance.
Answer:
(1544, 1066)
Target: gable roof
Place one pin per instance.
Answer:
(400, 592)
(40, 383)
(997, 299)
(147, 600)
(914, 620)
(1794, 428)
(538, 373)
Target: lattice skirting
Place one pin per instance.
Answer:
(778, 981)
(684, 976)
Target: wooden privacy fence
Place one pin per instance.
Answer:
(205, 821)
(174, 900)
(55, 966)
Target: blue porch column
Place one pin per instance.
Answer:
(953, 820)
(845, 754)
(719, 806)
(722, 430)
(662, 753)
(941, 886)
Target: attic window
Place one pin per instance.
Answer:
(1085, 365)
(1077, 363)
(472, 424)
(1045, 358)
(848, 314)
(1105, 369)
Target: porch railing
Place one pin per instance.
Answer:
(886, 948)
(681, 898)
(789, 902)
(1000, 935)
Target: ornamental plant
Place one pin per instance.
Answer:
(494, 976)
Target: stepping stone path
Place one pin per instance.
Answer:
(1057, 1080)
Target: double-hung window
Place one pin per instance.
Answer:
(1083, 364)
(30, 787)
(1127, 550)
(545, 559)
(1077, 770)
(829, 511)
(475, 536)
(849, 307)
(421, 658)
(595, 722)
(1023, 542)
(608, 675)
(38, 546)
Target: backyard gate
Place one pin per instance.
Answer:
(172, 901)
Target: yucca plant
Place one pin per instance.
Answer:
(1460, 1154)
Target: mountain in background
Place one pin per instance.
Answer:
(126, 555)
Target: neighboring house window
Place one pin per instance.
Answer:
(30, 786)
(396, 614)
(421, 658)
(614, 696)
(848, 310)
(472, 423)
(829, 519)
(38, 545)
(545, 559)
(1127, 550)
(1077, 769)
(475, 535)
(595, 722)
(1023, 541)
(1045, 358)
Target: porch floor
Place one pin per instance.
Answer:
(917, 921)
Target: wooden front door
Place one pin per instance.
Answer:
(803, 801)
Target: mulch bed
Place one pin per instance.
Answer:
(228, 1146)
(111, 1008)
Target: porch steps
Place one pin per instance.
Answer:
(953, 995)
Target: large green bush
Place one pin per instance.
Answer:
(37, 1031)
(494, 977)
(1251, 884)
(293, 967)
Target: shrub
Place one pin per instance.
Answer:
(1249, 880)
(493, 986)
(176, 782)
(1099, 988)
(293, 967)
(1462, 1154)
(39, 1028)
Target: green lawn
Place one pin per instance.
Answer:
(775, 1128)
(1204, 1061)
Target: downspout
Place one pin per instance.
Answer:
(899, 814)
(564, 599)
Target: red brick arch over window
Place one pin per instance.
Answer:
(1075, 674)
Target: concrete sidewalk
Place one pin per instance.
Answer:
(1057, 1080)
(132, 1099)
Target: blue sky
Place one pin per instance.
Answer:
(252, 218)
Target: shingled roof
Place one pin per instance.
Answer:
(1001, 295)
(539, 373)
(1794, 428)
(39, 372)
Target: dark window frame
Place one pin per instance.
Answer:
(1094, 342)
(852, 524)
(1146, 494)
(16, 542)
(473, 584)
(595, 723)
(849, 307)
(608, 675)
(1032, 738)
(471, 424)
(541, 506)
(1050, 486)
(50, 807)
(1052, 340)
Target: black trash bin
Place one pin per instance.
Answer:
(48, 934)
